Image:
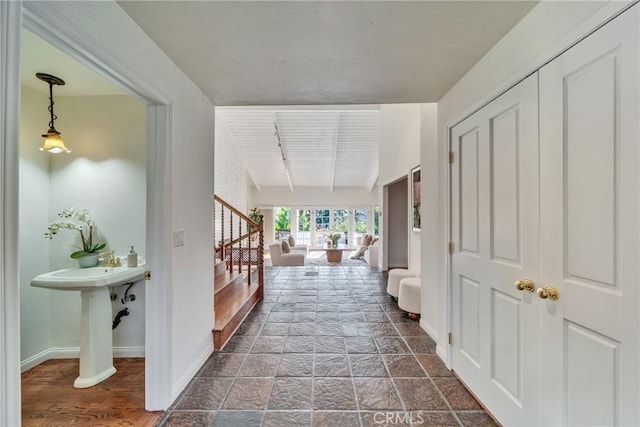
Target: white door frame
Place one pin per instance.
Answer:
(41, 19)
(10, 27)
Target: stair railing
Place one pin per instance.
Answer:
(240, 240)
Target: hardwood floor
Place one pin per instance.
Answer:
(49, 398)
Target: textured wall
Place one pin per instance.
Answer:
(231, 180)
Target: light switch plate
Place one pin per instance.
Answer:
(178, 238)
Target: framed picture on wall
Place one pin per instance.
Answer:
(415, 197)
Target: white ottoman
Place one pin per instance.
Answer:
(409, 296)
(395, 276)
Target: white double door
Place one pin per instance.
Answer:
(545, 187)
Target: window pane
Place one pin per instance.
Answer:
(360, 223)
(323, 221)
(282, 221)
(341, 225)
(376, 220)
(304, 226)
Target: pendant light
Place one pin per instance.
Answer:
(52, 139)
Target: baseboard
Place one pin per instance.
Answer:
(203, 355)
(73, 353)
(429, 330)
(442, 353)
(128, 352)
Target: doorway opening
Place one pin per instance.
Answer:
(158, 201)
(396, 224)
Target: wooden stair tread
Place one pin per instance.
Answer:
(225, 279)
(234, 301)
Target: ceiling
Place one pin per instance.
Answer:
(331, 54)
(325, 52)
(324, 65)
(39, 56)
(313, 147)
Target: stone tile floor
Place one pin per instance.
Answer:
(326, 347)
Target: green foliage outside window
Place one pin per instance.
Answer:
(304, 220)
(283, 218)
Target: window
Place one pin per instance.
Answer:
(311, 225)
(341, 225)
(360, 223)
(303, 235)
(282, 221)
(323, 223)
(376, 220)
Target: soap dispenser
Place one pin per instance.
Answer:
(132, 258)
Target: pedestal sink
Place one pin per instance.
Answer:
(96, 339)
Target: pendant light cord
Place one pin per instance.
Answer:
(53, 116)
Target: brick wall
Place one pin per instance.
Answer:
(231, 180)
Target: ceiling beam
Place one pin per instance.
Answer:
(236, 147)
(282, 151)
(334, 155)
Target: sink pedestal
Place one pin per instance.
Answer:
(96, 339)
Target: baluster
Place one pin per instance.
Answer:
(231, 239)
(261, 255)
(239, 244)
(222, 248)
(249, 256)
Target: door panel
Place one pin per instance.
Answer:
(469, 191)
(589, 229)
(505, 226)
(591, 393)
(590, 156)
(495, 225)
(506, 354)
(470, 319)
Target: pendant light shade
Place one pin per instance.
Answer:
(53, 142)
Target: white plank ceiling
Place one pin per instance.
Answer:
(320, 147)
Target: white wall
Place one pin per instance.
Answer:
(539, 35)
(403, 127)
(121, 44)
(232, 182)
(35, 330)
(105, 173)
(430, 208)
(314, 196)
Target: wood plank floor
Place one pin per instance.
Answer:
(49, 398)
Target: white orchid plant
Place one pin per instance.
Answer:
(79, 220)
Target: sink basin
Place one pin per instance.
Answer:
(96, 337)
(85, 279)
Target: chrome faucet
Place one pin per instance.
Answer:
(110, 259)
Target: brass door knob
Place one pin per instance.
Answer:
(549, 292)
(525, 284)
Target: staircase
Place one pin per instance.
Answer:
(238, 269)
